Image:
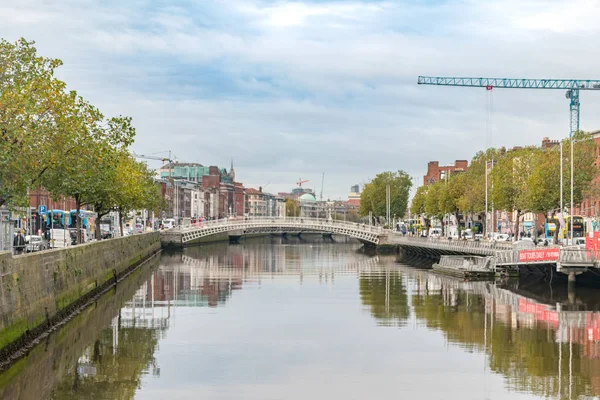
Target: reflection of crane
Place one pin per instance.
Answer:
(300, 182)
(573, 86)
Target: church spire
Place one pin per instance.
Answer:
(232, 171)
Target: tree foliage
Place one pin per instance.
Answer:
(36, 117)
(373, 196)
(53, 138)
(520, 180)
(292, 208)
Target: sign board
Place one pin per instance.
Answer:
(592, 242)
(42, 209)
(539, 255)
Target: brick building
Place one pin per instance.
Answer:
(436, 172)
(41, 197)
(590, 207)
(231, 198)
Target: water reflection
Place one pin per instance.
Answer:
(386, 297)
(284, 319)
(539, 348)
(63, 359)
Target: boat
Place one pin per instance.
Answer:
(471, 267)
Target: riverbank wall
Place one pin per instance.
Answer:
(37, 375)
(38, 290)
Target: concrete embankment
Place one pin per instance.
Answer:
(38, 290)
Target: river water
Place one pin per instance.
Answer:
(281, 318)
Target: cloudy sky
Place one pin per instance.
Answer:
(293, 89)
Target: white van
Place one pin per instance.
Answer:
(169, 223)
(435, 232)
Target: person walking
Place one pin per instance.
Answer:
(19, 243)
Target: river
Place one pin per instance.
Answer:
(278, 318)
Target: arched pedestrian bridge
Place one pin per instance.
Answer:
(185, 235)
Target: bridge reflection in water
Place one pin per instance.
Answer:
(541, 339)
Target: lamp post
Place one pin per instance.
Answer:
(572, 174)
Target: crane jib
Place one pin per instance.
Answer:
(581, 84)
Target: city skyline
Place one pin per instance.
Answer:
(293, 89)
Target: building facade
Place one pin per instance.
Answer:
(256, 204)
(436, 172)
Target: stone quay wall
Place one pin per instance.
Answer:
(39, 289)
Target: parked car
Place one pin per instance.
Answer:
(544, 241)
(499, 237)
(435, 232)
(35, 243)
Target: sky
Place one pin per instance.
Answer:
(297, 89)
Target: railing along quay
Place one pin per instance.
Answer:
(442, 244)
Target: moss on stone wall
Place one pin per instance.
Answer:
(36, 288)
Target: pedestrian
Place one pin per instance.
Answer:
(19, 243)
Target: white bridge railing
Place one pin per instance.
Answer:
(460, 246)
(293, 224)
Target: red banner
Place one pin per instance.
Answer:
(550, 254)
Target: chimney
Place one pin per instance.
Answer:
(260, 189)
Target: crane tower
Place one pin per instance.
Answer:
(572, 87)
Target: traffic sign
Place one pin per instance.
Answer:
(42, 209)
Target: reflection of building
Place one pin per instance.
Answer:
(540, 348)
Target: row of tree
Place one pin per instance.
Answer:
(51, 137)
(519, 180)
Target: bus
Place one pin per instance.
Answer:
(578, 227)
(88, 223)
(57, 229)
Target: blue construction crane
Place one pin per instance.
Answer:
(573, 86)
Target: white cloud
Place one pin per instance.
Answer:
(296, 88)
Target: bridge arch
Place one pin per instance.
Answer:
(365, 233)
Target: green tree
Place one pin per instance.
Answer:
(432, 201)
(134, 188)
(510, 176)
(543, 186)
(373, 196)
(292, 208)
(417, 206)
(450, 194)
(36, 120)
(87, 173)
(472, 199)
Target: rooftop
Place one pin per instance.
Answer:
(180, 164)
(308, 198)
